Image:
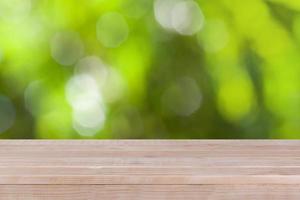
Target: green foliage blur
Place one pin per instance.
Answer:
(149, 69)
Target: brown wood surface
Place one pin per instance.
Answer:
(152, 169)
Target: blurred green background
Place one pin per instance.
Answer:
(149, 69)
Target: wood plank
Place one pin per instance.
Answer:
(149, 192)
(150, 176)
(168, 162)
(153, 169)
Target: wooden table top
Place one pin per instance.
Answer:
(150, 162)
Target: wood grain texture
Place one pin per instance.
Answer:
(149, 192)
(152, 169)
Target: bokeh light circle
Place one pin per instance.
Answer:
(187, 17)
(85, 98)
(182, 16)
(215, 36)
(183, 97)
(92, 66)
(66, 48)
(112, 29)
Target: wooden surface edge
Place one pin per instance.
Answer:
(149, 192)
(164, 162)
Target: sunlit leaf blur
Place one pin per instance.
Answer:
(149, 69)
